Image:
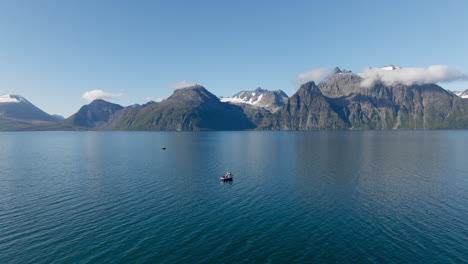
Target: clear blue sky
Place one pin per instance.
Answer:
(51, 52)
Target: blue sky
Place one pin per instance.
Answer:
(52, 52)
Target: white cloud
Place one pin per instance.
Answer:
(98, 94)
(7, 98)
(180, 85)
(315, 75)
(410, 76)
(156, 99)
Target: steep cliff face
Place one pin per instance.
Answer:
(341, 101)
(307, 109)
(341, 84)
(187, 109)
(256, 114)
(398, 106)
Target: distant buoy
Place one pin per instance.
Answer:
(163, 148)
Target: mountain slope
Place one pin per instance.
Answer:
(17, 113)
(93, 115)
(307, 109)
(143, 105)
(397, 106)
(192, 108)
(341, 101)
(17, 107)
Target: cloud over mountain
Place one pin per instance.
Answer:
(155, 99)
(410, 76)
(315, 75)
(98, 94)
(181, 85)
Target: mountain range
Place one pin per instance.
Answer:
(340, 101)
(193, 108)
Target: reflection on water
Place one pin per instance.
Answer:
(297, 197)
(226, 182)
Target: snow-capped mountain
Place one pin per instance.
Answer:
(462, 94)
(8, 98)
(270, 100)
(389, 68)
(18, 108)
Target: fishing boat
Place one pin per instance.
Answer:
(226, 177)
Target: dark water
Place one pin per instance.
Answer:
(312, 197)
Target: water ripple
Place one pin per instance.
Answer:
(323, 197)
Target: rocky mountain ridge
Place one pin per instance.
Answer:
(93, 115)
(187, 109)
(340, 101)
(462, 94)
(270, 100)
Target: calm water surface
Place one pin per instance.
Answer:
(304, 197)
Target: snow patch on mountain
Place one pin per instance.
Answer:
(8, 98)
(233, 100)
(270, 100)
(246, 97)
(462, 94)
(390, 68)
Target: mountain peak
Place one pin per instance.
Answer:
(99, 102)
(192, 94)
(309, 88)
(336, 70)
(389, 68)
(10, 98)
(94, 113)
(271, 100)
(308, 84)
(260, 90)
(462, 94)
(191, 87)
(17, 107)
(151, 102)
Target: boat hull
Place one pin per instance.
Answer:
(225, 179)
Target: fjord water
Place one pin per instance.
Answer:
(304, 197)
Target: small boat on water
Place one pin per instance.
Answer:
(227, 177)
